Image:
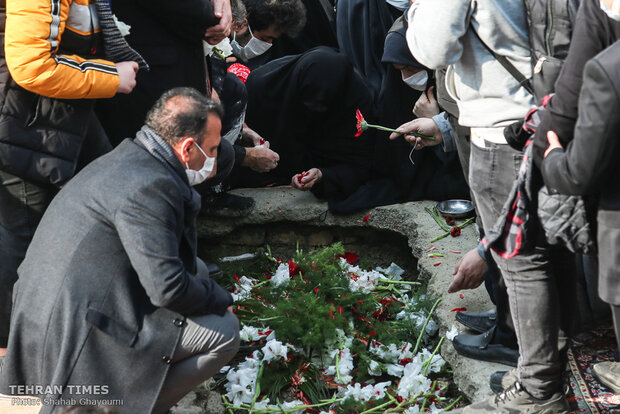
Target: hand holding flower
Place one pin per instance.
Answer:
(307, 179)
(362, 125)
(418, 131)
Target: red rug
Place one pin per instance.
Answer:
(586, 350)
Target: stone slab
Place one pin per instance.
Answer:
(284, 204)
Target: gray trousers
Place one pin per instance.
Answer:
(208, 342)
(533, 290)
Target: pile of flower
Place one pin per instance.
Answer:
(329, 336)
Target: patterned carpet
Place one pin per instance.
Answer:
(586, 350)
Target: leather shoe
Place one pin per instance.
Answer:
(481, 347)
(478, 321)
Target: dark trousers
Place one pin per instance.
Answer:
(505, 331)
(22, 204)
(540, 282)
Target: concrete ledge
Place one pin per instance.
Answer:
(284, 204)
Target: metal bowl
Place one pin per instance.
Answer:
(456, 208)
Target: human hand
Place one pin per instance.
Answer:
(252, 135)
(215, 96)
(229, 309)
(215, 34)
(260, 159)
(307, 179)
(422, 126)
(469, 272)
(426, 106)
(127, 76)
(554, 142)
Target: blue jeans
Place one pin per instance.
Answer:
(534, 279)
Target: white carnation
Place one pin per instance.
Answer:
(453, 332)
(282, 275)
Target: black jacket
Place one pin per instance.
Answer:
(168, 35)
(593, 32)
(589, 163)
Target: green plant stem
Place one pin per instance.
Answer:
(227, 405)
(415, 134)
(437, 219)
(377, 408)
(435, 255)
(451, 406)
(462, 226)
(428, 363)
(398, 282)
(428, 318)
(257, 388)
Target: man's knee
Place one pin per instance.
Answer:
(230, 336)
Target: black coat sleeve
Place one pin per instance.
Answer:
(150, 226)
(188, 19)
(593, 33)
(340, 181)
(594, 150)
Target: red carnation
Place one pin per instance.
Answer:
(293, 269)
(351, 258)
(361, 124)
(456, 231)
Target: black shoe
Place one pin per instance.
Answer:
(227, 205)
(481, 347)
(214, 271)
(478, 321)
(501, 380)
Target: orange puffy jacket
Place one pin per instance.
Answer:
(45, 45)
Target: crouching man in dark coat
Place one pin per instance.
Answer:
(112, 306)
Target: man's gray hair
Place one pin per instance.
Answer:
(180, 113)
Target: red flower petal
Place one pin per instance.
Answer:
(456, 231)
(359, 118)
(436, 264)
(365, 219)
(293, 269)
(461, 296)
(351, 258)
(458, 310)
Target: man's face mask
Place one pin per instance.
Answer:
(614, 12)
(416, 81)
(255, 47)
(196, 177)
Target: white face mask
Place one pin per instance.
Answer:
(416, 81)
(255, 47)
(400, 4)
(614, 12)
(196, 177)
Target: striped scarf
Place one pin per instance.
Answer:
(116, 47)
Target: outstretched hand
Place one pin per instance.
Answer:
(554, 142)
(469, 272)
